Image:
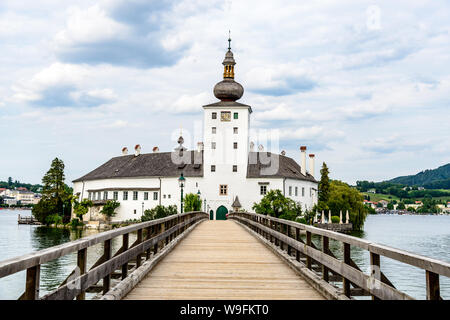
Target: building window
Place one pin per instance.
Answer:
(290, 190)
(223, 190)
(125, 195)
(263, 190)
(164, 196)
(213, 145)
(213, 130)
(168, 196)
(234, 145)
(145, 195)
(115, 195)
(234, 168)
(214, 115)
(99, 196)
(235, 116)
(310, 192)
(105, 195)
(235, 130)
(134, 211)
(89, 195)
(155, 195)
(213, 168)
(135, 195)
(303, 191)
(296, 191)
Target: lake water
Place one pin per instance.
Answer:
(425, 235)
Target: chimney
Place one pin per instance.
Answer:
(303, 160)
(137, 150)
(261, 148)
(283, 153)
(199, 146)
(155, 149)
(124, 151)
(311, 164)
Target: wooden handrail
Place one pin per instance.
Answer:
(77, 283)
(272, 229)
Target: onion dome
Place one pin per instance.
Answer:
(228, 89)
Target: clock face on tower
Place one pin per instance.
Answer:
(225, 116)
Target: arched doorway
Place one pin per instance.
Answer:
(221, 213)
(211, 215)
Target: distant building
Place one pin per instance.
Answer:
(384, 203)
(372, 190)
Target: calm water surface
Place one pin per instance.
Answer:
(425, 235)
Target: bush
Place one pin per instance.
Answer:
(75, 222)
(109, 209)
(335, 219)
(192, 202)
(53, 219)
(81, 208)
(159, 212)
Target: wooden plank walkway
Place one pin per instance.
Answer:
(221, 260)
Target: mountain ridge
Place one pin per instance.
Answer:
(430, 178)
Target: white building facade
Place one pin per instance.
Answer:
(224, 169)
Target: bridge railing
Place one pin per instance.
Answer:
(295, 239)
(151, 237)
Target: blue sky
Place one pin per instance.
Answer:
(365, 85)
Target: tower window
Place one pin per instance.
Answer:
(213, 130)
(234, 168)
(214, 115)
(213, 168)
(223, 190)
(234, 145)
(213, 145)
(235, 130)
(235, 115)
(263, 190)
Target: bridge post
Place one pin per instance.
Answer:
(297, 237)
(308, 243)
(82, 265)
(345, 282)
(125, 238)
(148, 237)
(325, 249)
(433, 291)
(138, 241)
(32, 283)
(374, 263)
(107, 254)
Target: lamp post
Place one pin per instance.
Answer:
(181, 183)
(204, 204)
(142, 208)
(199, 194)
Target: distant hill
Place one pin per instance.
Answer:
(431, 179)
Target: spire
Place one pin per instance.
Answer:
(228, 89)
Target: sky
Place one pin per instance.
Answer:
(365, 85)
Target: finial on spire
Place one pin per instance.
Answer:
(229, 40)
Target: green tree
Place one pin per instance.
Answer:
(274, 203)
(192, 202)
(109, 208)
(10, 182)
(56, 196)
(159, 212)
(390, 206)
(343, 197)
(401, 206)
(324, 184)
(81, 208)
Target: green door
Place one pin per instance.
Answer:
(221, 213)
(211, 215)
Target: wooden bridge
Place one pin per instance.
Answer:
(248, 256)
